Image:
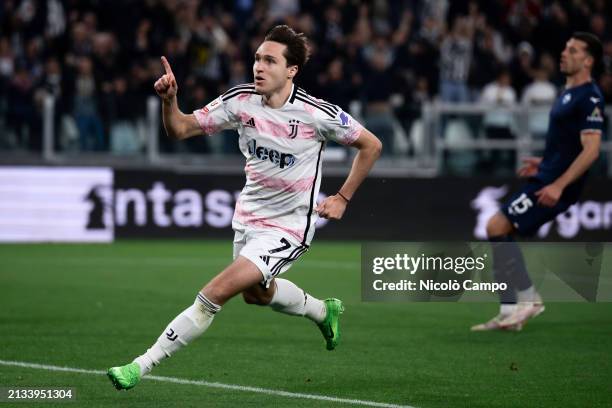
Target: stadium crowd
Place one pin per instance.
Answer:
(99, 58)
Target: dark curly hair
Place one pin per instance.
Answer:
(297, 52)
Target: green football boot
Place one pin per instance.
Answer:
(124, 377)
(330, 327)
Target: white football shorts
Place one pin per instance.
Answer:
(272, 251)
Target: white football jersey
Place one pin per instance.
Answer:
(283, 155)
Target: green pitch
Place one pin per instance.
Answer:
(95, 306)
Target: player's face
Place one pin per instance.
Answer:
(270, 70)
(574, 57)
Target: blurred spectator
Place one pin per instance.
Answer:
(499, 96)
(549, 64)
(553, 30)
(455, 60)
(365, 50)
(21, 112)
(411, 116)
(599, 27)
(238, 74)
(606, 87)
(242, 11)
(377, 92)
(80, 41)
(56, 19)
(607, 57)
(281, 9)
(175, 52)
(52, 79)
(606, 78)
(521, 67)
(7, 59)
(51, 85)
(125, 113)
(7, 66)
(32, 59)
(499, 93)
(198, 98)
(540, 94)
(418, 58)
(522, 17)
(105, 59)
(486, 63)
(85, 105)
(336, 85)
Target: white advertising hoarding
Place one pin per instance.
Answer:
(48, 204)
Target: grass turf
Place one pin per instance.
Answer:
(94, 306)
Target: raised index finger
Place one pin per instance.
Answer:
(166, 65)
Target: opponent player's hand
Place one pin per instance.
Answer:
(332, 207)
(166, 86)
(549, 195)
(529, 167)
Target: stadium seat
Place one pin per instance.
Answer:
(459, 159)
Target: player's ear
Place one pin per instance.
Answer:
(293, 70)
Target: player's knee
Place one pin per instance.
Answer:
(254, 298)
(491, 230)
(497, 226)
(216, 294)
(249, 298)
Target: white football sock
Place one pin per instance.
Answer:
(529, 295)
(290, 299)
(185, 327)
(506, 309)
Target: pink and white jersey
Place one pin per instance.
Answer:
(283, 155)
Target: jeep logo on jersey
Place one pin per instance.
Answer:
(265, 153)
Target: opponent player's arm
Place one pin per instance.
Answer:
(591, 141)
(369, 150)
(177, 124)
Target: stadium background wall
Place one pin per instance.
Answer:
(152, 204)
(100, 204)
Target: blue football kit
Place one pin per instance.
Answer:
(576, 110)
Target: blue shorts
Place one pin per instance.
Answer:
(524, 212)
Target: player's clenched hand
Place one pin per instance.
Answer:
(332, 207)
(529, 167)
(549, 195)
(166, 86)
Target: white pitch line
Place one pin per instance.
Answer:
(234, 387)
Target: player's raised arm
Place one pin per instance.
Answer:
(177, 124)
(369, 151)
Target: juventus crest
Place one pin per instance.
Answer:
(293, 128)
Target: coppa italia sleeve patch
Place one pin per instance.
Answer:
(344, 119)
(213, 105)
